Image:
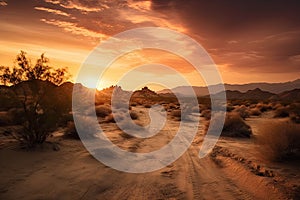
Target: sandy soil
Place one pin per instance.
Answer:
(72, 173)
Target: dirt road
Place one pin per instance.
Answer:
(72, 173)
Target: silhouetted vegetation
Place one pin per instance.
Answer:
(38, 104)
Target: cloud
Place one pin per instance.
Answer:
(3, 3)
(141, 14)
(79, 5)
(74, 29)
(246, 36)
(49, 10)
(141, 5)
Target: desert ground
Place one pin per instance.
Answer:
(234, 170)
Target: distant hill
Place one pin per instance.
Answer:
(288, 95)
(182, 90)
(250, 94)
(275, 88)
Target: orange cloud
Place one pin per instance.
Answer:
(49, 10)
(75, 5)
(3, 3)
(74, 29)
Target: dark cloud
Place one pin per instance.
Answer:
(252, 35)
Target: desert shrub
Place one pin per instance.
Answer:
(102, 111)
(133, 104)
(184, 113)
(229, 108)
(35, 88)
(252, 106)
(237, 102)
(281, 112)
(5, 119)
(206, 114)
(276, 106)
(110, 119)
(134, 115)
(172, 106)
(176, 113)
(235, 126)
(147, 105)
(295, 118)
(243, 111)
(71, 131)
(295, 112)
(279, 141)
(255, 112)
(263, 107)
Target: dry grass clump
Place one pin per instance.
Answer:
(172, 106)
(292, 111)
(281, 112)
(243, 111)
(279, 141)
(229, 108)
(120, 116)
(206, 114)
(235, 126)
(147, 105)
(133, 104)
(263, 107)
(102, 110)
(276, 106)
(134, 115)
(109, 119)
(255, 112)
(184, 113)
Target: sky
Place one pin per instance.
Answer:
(249, 40)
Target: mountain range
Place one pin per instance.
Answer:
(274, 88)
